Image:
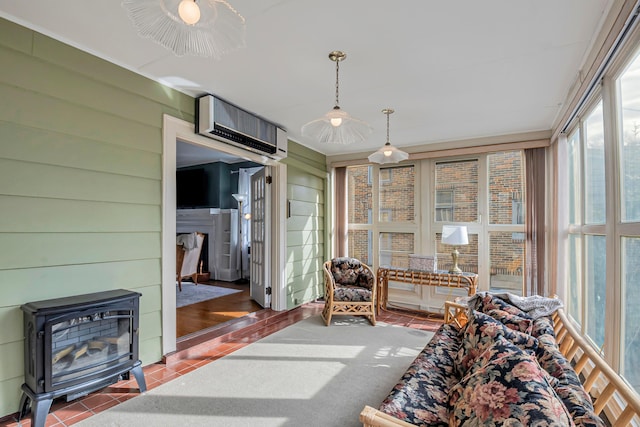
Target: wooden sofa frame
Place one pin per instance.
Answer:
(613, 398)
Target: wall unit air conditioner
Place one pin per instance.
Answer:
(220, 120)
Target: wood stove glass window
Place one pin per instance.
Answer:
(88, 344)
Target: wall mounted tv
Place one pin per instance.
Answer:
(192, 188)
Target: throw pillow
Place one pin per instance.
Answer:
(506, 387)
(480, 333)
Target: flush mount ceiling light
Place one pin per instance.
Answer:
(208, 28)
(337, 126)
(388, 153)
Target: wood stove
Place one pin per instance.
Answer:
(76, 345)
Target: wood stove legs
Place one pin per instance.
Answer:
(40, 403)
(39, 408)
(139, 376)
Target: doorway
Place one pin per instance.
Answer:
(214, 198)
(178, 131)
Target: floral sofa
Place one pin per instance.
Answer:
(504, 367)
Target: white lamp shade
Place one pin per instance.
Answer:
(388, 154)
(455, 235)
(240, 198)
(208, 28)
(337, 127)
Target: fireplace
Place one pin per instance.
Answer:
(76, 345)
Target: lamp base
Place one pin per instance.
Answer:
(241, 281)
(455, 269)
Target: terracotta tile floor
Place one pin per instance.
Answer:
(198, 350)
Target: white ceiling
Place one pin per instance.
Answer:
(451, 69)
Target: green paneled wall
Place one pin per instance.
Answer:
(80, 186)
(306, 187)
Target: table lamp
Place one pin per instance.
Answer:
(455, 235)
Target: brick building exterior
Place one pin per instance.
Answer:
(456, 200)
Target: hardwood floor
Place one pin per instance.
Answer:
(207, 314)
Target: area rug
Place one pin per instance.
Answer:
(192, 293)
(307, 374)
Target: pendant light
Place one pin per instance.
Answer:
(388, 153)
(208, 28)
(337, 126)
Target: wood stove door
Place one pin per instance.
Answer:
(86, 344)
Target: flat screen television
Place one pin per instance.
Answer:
(192, 188)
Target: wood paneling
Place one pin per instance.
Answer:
(80, 186)
(305, 236)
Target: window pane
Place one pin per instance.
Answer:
(507, 260)
(574, 177)
(506, 204)
(595, 282)
(360, 245)
(395, 249)
(359, 195)
(630, 142)
(575, 278)
(631, 318)
(457, 182)
(397, 195)
(594, 197)
(467, 259)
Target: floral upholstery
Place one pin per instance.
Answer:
(506, 386)
(350, 289)
(501, 368)
(568, 388)
(353, 282)
(420, 397)
(480, 333)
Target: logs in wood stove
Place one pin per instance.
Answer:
(77, 345)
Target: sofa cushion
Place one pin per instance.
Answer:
(543, 326)
(480, 332)
(351, 293)
(350, 272)
(506, 386)
(568, 386)
(511, 321)
(421, 395)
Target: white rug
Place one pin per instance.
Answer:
(307, 374)
(192, 294)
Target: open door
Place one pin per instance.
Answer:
(260, 288)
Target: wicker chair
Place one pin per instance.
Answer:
(350, 289)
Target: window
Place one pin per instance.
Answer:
(395, 206)
(506, 221)
(603, 214)
(587, 280)
(457, 186)
(397, 194)
(444, 204)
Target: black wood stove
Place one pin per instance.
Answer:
(76, 345)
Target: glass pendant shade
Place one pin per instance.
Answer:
(337, 126)
(208, 28)
(388, 153)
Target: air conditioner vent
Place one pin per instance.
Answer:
(242, 139)
(223, 121)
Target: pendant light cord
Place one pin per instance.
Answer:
(337, 82)
(388, 114)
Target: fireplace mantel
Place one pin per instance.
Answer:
(221, 227)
